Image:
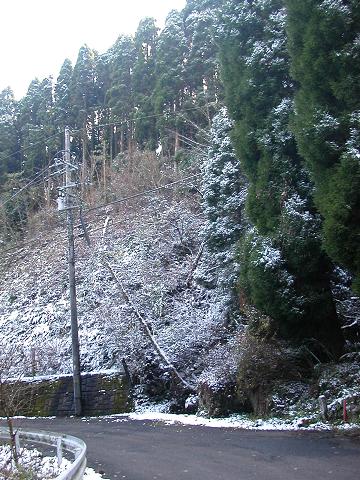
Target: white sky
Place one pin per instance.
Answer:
(37, 35)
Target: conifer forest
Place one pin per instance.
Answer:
(217, 165)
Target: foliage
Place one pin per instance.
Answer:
(224, 192)
(265, 361)
(14, 394)
(16, 209)
(283, 269)
(280, 181)
(149, 91)
(63, 115)
(146, 39)
(325, 55)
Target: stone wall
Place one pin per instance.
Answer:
(102, 394)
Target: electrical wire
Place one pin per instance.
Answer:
(136, 195)
(29, 184)
(124, 199)
(144, 117)
(21, 245)
(30, 146)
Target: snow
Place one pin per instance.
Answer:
(90, 474)
(40, 378)
(43, 467)
(325, 122)
(152, 246)
(224, 192)
(335, 6)
(237, 421)
(270, 258)
(352, 146)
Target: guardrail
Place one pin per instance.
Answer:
(61, 443)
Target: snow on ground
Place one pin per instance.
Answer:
(152, 250)
(152, 246)
(240, 421)
(32, 461)
(90, 474)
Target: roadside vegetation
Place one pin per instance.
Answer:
(218, 179)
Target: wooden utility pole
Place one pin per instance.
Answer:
(69, 187)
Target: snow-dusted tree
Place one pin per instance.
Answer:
(144, 83)
(120, 95)
(224, 193)
(325, 53)
(9, 142)
(201, 66)
(36, 122)
(201, 69)
(82, 88)
(284, 271)
(62, 106)
(169, 92)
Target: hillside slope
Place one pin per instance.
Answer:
(153, 246)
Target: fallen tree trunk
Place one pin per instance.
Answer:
(145, 326)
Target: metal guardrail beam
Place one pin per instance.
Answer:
(60, 442)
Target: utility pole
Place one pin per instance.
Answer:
(69, 186)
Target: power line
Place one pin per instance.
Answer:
(144, 117)
(21, 245)
(136, 195)
(30, 146)
(98, 207)
(29, 184)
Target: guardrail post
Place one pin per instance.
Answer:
(59, 451)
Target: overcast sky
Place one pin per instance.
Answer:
(37, 35)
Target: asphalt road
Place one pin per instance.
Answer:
(147, 450)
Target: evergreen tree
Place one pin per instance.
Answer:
(170, 81)
(283, 269)
(202, 74)
(63, 115)
(144, 83)
(10, 159)
(83, 88)
(120, 96)
(36, 121)
(201, 71)
(102, 86)
(325, 52)
(224, 192)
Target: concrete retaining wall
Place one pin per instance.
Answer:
(102, 394)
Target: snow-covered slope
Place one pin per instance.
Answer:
(152, 246)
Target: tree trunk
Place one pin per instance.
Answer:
(146, 327)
